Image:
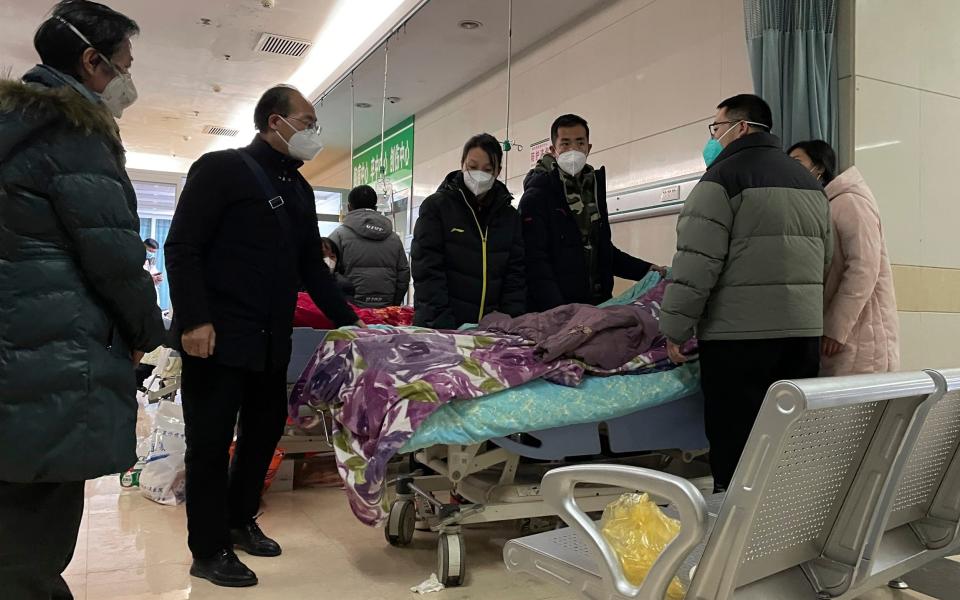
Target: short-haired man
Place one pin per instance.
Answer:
(76, 311)
(372, 256)
(151, 246)
(566, 226)
(753, 244)
(243, 237)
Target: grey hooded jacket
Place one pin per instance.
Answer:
(373, 259)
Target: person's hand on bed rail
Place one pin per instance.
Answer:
(676, 354)
(200, 342)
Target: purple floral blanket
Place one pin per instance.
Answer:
(381, 384)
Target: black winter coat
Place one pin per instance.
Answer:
(232, 264)
(556, 262)
(467, 260)
(74, 297)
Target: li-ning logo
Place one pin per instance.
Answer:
(376, 228)
(456, 230)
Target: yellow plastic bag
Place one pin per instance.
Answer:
(638, 531)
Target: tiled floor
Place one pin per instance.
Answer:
(132, 549)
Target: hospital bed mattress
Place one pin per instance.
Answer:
(564, 420)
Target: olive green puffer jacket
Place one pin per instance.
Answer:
(74, 297)
(753, 245)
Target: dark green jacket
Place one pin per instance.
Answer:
(74, 297)
(753, 245)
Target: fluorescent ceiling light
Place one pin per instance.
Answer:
(157, 162)
(877, 145)
(348, 26)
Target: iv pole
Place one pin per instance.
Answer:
(387, 185)
(507, 144)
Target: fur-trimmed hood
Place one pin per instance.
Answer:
(46, 97)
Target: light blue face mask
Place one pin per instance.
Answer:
(713, 147)
(711, 151)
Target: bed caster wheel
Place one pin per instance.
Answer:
(451, 559)
(401, 523)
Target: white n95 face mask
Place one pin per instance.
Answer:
(304, 145)
(478, 182)
(572, 162)
(120, 93)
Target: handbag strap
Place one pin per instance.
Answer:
(270, 191)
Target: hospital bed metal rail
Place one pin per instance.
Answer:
(487, 476)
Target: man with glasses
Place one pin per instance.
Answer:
(243, 237)
(753, 244)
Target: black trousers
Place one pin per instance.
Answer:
(735, 376)
(39, 524)
(223, 494)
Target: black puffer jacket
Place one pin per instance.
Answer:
(74, 298)
(467, 257)
(556, 262)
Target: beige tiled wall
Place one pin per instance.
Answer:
(903, 65)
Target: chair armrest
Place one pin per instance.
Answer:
(558, 492)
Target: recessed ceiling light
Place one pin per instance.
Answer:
(363, 105)
(393, 99)
(470, 24)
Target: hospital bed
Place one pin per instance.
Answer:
(481, 461)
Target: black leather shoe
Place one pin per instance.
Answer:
(224, 569)
(251, 540)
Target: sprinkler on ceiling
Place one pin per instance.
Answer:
(268, 3)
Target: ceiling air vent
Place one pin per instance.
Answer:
(217, 130)
(271, 43)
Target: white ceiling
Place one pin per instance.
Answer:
(181, 68)
(431, 58)
(186, 82)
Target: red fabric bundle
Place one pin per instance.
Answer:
(308, 315)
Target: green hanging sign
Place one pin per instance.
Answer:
(397, 157)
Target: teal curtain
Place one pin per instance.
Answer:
(793, 57)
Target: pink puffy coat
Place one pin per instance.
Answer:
(859, 299)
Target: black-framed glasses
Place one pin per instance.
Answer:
(712, 127)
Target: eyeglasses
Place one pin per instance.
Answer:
(312, 126)
(713, 127)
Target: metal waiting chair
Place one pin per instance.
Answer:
(922, 506)
(797, 519)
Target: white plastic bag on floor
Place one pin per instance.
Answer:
(163, 478)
